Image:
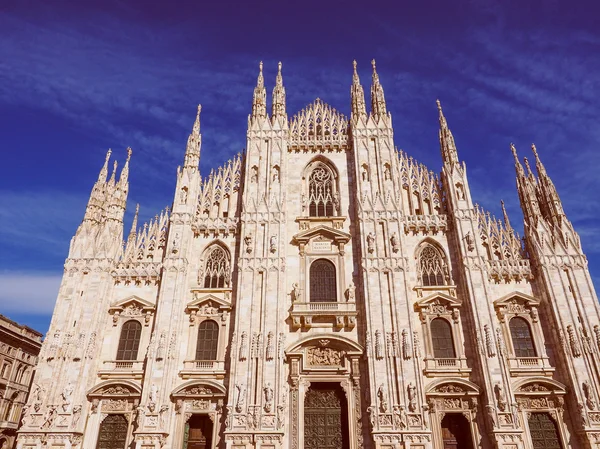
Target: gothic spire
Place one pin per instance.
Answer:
(125, 171)
(378, 107)
(259, 101)
(505, 214)
(192, 150)
(111, 181)
(447, 145)
(357, 96)
(134, 224)
(549, 195)
(104, 171)
(526, 189)
(278, 103)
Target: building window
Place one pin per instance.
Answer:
(129, 341)
(113, 432)
(543, 430)
(441, 338)
(432, 267)
(208, 339)
(5, 370)
(522, 339)
(321, 192)
(322, 281)
(217, 271)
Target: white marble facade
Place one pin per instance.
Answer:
(322, 269)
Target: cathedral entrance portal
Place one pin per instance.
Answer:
(325, 417)
(456, 432)
(198, 433)
(113, 432)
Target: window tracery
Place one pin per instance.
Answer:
(432, 267)
(217, 271)
(321, 192)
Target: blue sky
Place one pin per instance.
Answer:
(77, 78)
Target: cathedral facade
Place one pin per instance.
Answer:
(321, 290)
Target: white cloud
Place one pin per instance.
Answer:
(28, 293)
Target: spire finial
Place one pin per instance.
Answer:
(259, 99)
(538, 162)
(135, 221)
(505, 214)
(125, 172)
(114, 172)
(278, 99)
(357, 95)
(514, 152)
(104, 170)
(378, 106)
(196, 127)
(447, 145)
(528, 167)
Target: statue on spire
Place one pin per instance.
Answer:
(104, 170)
(447, 145)
(357, 96)
(378, 107)
(124, 178)
(259, 100)
(278, 108)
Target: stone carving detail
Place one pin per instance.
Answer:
(273, 244)
(152, 398)
(589, 395)
(395, 242)
(248, 242)
(160, 350)
(280, 345)
(406, 349)
(575, 348)
(489, 341)
(416, 344)
(66, 397)
(378, 345)
(50, 417)
(597, 334)
(370, 242)
(323, 357)
(500, 343)
(268, 397)
(586, 340)
(500, 398)
(241, 391)
(412, 397)
(351, 293)
(296, 295)
(383, 405)
(270, 344)
(243, 346)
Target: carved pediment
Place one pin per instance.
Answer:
(515, 299)
(454, 387)
(206, 389)
(438, 303)
(132, 306)
(321, 232)
(539, 386)
(208, 303)
(121, 389)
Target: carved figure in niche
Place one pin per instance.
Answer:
(383, 406)
(184, 195)
(412, 397)
(395, 243)
(273, 244)
(470, 241)
(400, 417)
(386, 173)
(160, 351)
(248, 242)
(240, 397)
(268, 392)
(175, 247)
(254, 174)
(364, 172)
(323, 357)
(589, 396)
(460, 191)
(153, 397)
(575, 348)
(372, 417)
(139, 416)
(351, 293)
(37, 397)
(296, 292)
(336, 201)
(500, 397)
(370, 242)
(66, 397)
(163, 415)
(275, 172)
(25, 416)
(95, 403)
(50, 417)
(76, 415)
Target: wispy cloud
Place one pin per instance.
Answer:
(28, 292)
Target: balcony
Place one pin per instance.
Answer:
(116, 369)
(323, 314)
(200, 368)
(446, 367)
(526, 366)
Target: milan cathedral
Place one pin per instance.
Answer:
(321, 290)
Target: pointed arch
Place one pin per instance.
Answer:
(432, 265)
(217, 266)
(321, 188)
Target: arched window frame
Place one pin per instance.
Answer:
(448, 325)
(215, 348)
(431, 251)
(526, 307)
(126, 351)
(222, 273)
(512, 323)
(332, 206)
(435, 306)
(311, 286)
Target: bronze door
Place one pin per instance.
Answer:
(113, 432)
(456, 432)
(199, 432)
(323, 421)
(544, 434)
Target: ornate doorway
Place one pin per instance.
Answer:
(544, 434)
(198, 433)
(113, 432)
(325, 417)
(456, 432)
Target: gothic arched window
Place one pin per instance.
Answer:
(323, 281)
(208, 339)
(522, 339)
(432, 267)
(441, 338)
(217, 269)
(129, 342)
(321, 192)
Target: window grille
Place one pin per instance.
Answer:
(522, 339)
(217, 271)
(208, 339)
(543, 430)
(320, 192)
(441, 337)
(431, 266)
(322, 281)
(129, 341)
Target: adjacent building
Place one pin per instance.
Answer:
(321, 290)
(19, 349)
